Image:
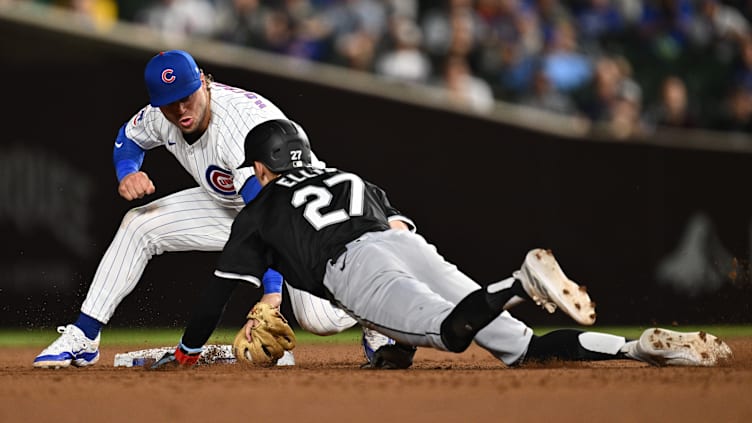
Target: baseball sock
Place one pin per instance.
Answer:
(474, 312)
(206, 316)
(88, 325)
(573, 344)
(500, 293)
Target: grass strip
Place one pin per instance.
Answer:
(154, 337)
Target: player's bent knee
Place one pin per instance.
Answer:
(139, 221)
(319, 316)
(133, 219)
(317, 328)
(467, 318)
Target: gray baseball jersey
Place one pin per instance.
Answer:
(195, 219)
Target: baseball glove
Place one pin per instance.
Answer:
(270, 337)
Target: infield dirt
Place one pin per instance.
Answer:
(327, 385)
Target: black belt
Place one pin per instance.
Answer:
(343, 250)
(337, 255)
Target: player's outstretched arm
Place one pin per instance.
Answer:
(396, 219)
(136, 185)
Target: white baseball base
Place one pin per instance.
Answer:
(212, 354)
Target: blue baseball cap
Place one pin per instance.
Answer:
(171, 76)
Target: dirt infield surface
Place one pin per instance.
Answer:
(327, 385)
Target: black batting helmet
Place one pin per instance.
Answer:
(279, 144)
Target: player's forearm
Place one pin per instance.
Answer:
(127, 156)
(274, 300)
(208, 311)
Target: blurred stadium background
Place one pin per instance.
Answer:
(615, 132)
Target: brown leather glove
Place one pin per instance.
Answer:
(271, 336)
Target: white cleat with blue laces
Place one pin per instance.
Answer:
(383, 352)
(72, 348)
(372, 341)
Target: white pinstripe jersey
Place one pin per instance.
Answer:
(213, 158)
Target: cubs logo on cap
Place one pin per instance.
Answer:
(171, 76)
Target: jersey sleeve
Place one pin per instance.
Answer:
(240, 178)
(390, 211)
(146, 128)
(315, 162)
(244, 254)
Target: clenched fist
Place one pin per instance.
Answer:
(136, 185)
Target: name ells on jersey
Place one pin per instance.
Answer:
(291, 180)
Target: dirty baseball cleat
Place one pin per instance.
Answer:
(546, 284)
(71, 348)
(663, 347)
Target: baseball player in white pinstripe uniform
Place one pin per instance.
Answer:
(203, 124)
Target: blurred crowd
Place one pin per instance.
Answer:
(631, 65)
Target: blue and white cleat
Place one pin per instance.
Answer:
(383, 352)
(71, 348)
(372, 341)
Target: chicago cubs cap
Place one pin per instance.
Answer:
(171, 76)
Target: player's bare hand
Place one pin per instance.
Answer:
(250, 324)
(136, 185)
(273, 299)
